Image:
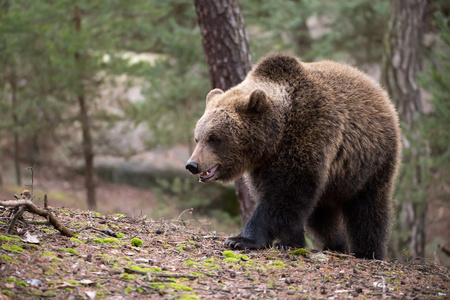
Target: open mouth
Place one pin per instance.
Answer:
(207, 174)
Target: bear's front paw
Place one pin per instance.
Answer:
(242, 243)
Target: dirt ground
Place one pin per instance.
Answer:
(123, 257)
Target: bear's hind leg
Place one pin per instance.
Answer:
(326, 224)
(291, 237)
(368, 217)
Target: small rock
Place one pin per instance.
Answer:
(35, 282)
(291, 292)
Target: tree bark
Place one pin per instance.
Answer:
(401, 64)
(88, 152)
(12, 82)
(402, 57)
(229, 60)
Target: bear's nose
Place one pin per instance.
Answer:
(192, 167)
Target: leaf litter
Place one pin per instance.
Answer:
(129, 257)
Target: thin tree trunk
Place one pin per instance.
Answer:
(12, 82)
(229, 60)
(88, 152)
(401, 64)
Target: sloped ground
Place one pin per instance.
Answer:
(179, 260)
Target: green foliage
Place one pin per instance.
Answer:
(279, 26)
(436, 80)
(354, 30)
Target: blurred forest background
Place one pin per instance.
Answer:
(99, 99)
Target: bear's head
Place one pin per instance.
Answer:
(233, 135)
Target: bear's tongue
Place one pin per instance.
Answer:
(208, 174)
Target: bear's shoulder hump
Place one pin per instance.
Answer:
(278, 68)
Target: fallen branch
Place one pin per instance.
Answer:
(31, 207)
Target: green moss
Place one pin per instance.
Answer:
(190, 263)
(100, 294)
(157, 285)
(127, 276)
(97, 240)
(300, 251)
(96, 214)
(11, 238)
(48, 253)
(233, 257)
(69, 250)
(197, 274)
(277, 264)
(119, 215)
(140, 269)
(120, 235)
(13, 248)
(10, 280)
(181, 247)
(73, 282)
(22, 283)
(76, 240)
(136, 242)
(128, 289)
(8, 293)
(230, 254)
(231, 260)
(179, 287)
(6, 258)
(110, 240)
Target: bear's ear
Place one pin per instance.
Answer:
(212, 94)
(256, 102)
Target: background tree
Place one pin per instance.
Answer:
(229, 60)
(402, 61)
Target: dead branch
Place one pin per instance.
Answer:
(18, 214)
(31, 207)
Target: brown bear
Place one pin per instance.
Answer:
(319, 146)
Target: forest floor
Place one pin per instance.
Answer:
(179, 259)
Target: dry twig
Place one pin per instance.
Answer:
(31, 207)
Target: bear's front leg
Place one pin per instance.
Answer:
(255, 234)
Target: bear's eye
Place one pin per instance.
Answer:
(196, 140)
(213, 140)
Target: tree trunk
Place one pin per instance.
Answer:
(229, 60)
(16, 128)
(88, 152)
(401, 64)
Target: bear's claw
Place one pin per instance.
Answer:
(242, 243)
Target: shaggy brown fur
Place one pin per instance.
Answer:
(319, 144)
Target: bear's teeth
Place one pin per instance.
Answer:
(207, 173)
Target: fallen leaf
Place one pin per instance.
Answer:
(30, 238)
(91, 294)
